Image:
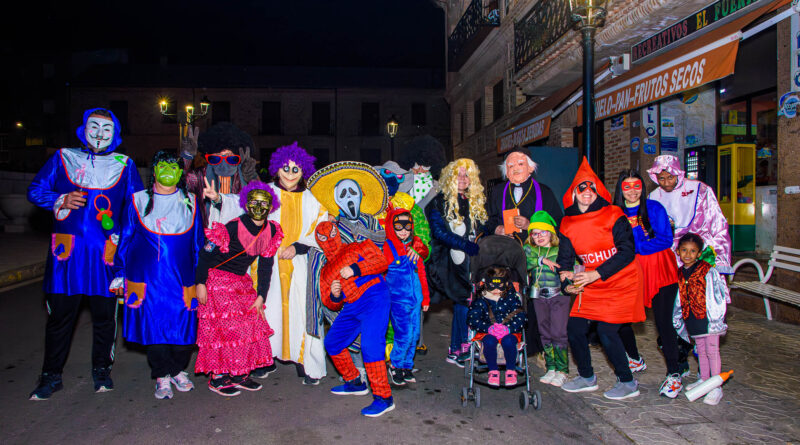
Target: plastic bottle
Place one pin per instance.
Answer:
(706, 387)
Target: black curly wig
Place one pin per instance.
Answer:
(224, 135)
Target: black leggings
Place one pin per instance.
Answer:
(663, 306)
(577, 330)
(168, 360)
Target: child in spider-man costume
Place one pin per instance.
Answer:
(352, 281)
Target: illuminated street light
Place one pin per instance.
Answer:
(392, 127)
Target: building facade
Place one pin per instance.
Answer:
(712, 82)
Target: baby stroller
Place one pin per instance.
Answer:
(496, 250)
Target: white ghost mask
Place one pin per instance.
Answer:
(347, 195)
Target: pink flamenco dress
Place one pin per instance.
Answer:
(233, 338)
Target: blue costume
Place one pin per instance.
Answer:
(405, 292)
(84, 243)
(157, 257)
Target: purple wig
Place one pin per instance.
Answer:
(258, 185)
(295, 153)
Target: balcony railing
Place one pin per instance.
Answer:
(540, 28)
(473, 27)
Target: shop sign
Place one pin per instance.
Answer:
(650, 121)
(635, 143)
(619, 122)
(709, 63)
(788, 105)
(712, 13)
(650, 149)
(527, 132)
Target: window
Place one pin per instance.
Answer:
(371, 156)
(478, 113)
(498, 101)
(418, 116)
(120, 109)
(323, 156)
(320, 118)
(370, 119)
(463, 125)
(220, 112)
(270, 118)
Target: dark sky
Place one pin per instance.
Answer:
(379, 33)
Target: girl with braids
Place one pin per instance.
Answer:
(456, 216)
(162, 234)
(652, 236)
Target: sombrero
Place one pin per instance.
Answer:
(372, 186)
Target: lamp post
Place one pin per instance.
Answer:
(190, 116)
(587, 16)
(391, 128)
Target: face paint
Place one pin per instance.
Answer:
(289, 176)
(99, 132)
(347, 195)
(168, 173)
(259, 203)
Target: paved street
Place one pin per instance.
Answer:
(760, 404)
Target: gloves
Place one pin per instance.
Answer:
(471, 249)
(499, 331)
(189, 143)
(249, 173)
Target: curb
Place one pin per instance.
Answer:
(25, 273)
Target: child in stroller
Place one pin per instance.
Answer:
(497, 317)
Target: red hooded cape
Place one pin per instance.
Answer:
(620, 298)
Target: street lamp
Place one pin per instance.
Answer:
(392, 127)
(190, 116)
(587, 16)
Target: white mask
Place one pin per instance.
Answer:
(99, 132)
(348, 198)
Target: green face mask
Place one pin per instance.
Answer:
(168, 173)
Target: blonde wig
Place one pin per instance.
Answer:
(448, 181)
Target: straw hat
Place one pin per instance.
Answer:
(373, 188)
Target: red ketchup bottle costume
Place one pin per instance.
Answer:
(364, 306)
(408, 289)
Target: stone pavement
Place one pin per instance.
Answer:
(760, 403)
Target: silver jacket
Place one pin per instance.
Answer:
(717, 299)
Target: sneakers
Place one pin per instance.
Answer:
(102, 379)
(580, 384)
(452, 358)
(310, 381)
(48, 384)
(408, 376)
(163, 388)
(396, 376)
(559, 379)
(422, 349)
(223, 385)
(494, 378)
(262, 373)
(548, 377)
(246, 383)
(694, 385)
(683, 368)
(637, 365)
(713, 397)
(182, 382)
(623, 390)
(511, 378)
(379, 406)
(672, 386)
(354, 387)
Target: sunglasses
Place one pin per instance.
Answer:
(217, 159)
(403, 225)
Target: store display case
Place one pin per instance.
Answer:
(736, 192)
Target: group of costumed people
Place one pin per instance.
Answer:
(343, 262)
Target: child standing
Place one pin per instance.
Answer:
(552, 306)
(702, 303)
(498, 318)
(233, 333)
(408, 290)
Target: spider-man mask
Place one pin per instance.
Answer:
(328, 239)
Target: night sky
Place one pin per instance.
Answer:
(378, 33)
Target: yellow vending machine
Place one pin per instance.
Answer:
(736, 192)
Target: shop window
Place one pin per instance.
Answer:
(754, 120)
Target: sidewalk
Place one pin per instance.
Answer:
(23, 257)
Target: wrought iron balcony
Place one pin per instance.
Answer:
(540, 28)
(473, 27)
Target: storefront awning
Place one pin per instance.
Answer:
(701, 61)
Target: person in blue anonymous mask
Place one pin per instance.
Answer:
(86, 188)
(227, 168)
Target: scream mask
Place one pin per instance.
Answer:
(259, 204)
(168, 174)
(347, 195)
(328, 239)
(99, 132)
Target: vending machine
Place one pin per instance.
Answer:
(736, 192)
(701, 163)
